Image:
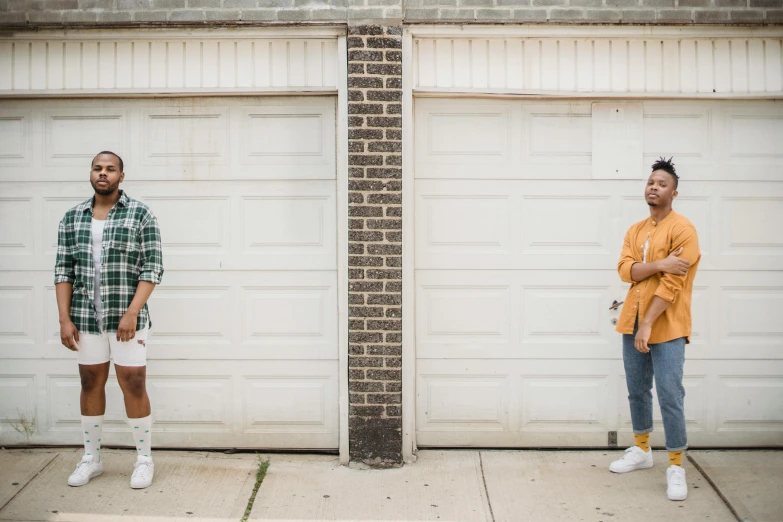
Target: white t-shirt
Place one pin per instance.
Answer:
(97, 249)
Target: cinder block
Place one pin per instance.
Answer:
(168, 4)
(187, 15)
(150, 16)
(293, 15)
(587, 3)
(639, 15)
(261, 15)
(747, 15)
(532, 15)
(419, 14)
(457, 14)
(329, 15)
(603, 15)
(675, 15)
(711, 15)
(566, 14)
(116, 16)
(694, 3)
(14, 18)
(496, 14)
(223, 15)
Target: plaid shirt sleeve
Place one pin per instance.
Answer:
(151, 251)
(64, 264)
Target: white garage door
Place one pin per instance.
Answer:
(517, 242)
(244, 344)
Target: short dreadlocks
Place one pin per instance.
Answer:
(667, 166)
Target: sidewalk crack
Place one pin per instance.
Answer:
(715, 488)
(486, 490)
(46, 466)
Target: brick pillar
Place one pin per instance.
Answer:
(375, 244)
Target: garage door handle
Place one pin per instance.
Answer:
(615, 305)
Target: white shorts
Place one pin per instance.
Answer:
(99, 349)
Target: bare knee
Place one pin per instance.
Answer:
(134, 383)
(92, 379)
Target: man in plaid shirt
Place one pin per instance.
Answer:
(109, 259)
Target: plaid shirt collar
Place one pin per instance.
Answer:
(86, 206)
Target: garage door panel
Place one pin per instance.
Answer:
(748, 226)
(16, 226)
(563, 403)
(746, 403)
(258, 404)
(513, 403)
(73, 136)
(515, 314)
(205, 315)
(244, 225)
(516, 269)
(686, 132)
(501, 140)
(559, 314)
(168, 139)
(16, 128)
(243, 350)
(500, 224)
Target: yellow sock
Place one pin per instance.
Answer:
(642, 440)
(675, 458)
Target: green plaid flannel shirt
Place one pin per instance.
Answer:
(132, 252)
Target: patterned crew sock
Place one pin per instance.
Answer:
(142, 435)
(675, 458)
(642, 440)
(92, 428)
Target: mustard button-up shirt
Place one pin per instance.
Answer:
(664, 237)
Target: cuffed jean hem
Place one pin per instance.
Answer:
(642, 432)
(678, 449)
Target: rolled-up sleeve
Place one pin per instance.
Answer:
(151, 251)
(683, 237)
(626, 259)
(64, 262)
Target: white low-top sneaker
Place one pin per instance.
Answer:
(86, 469)
(143, 472)
(677, 487)
(634, 458)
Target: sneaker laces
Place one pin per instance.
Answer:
(631, 453)
(677, 476)
(83, 468)
(142, 469)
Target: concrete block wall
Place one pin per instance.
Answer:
(35, 13)
(375, 244)
(595, 11)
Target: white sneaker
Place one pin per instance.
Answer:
(633, 459)
(86, 469)
(143, 472)
(677, 487)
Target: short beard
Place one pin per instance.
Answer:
(106, 191)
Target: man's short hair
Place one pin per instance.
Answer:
(122, 165)
(665, 165)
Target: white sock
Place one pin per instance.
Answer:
(142, 435)
(93, 431)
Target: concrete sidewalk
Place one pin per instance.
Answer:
(450, 485)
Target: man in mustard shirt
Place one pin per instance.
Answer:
(659, 259)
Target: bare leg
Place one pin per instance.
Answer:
(93, 397)
(133, 382)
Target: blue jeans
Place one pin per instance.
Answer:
(664, 362)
